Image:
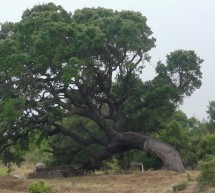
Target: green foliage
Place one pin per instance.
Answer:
(175, 135)
(37, 155)
(179, 187)
(211, 110)
(149, 161)
(36, 150)
(198, 128)
(211, 116)
(112, 166)
(38, 187)
(126, 29)
(185, 136)
(207, 146)
(206, 178)
(13, 154)
(181, 66)
(64, 148)
(3, 171)
(57, 67)
(11, 109)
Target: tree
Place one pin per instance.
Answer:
(56, 67)
(211, 117)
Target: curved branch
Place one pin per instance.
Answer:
(74, 136)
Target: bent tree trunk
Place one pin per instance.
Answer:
(168, 155)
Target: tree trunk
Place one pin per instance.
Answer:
(168, 155)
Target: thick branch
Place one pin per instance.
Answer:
(74, 136)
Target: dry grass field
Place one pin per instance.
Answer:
(147, 182)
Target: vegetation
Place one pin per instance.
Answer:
(113, 166)
(3, 171)
(211, 116)
(76, 80)
(72, 93)
(179, 187)
(38, 187)
(207, 175)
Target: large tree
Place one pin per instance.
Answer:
(56, 67)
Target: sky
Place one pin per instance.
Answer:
(176, 24)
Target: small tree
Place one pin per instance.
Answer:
(211, 116)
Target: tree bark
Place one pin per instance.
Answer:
(168, 155)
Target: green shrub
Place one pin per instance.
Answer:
(207, 145)
(179, 187)
(3, 170)
(112, 166)
(149, 161)
(38, 187)
(206, 178)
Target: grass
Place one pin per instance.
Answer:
(3, 170)
(150, 181)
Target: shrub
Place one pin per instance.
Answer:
(207, 145)
(112, 166)
(38, 187)
(206, 178)
(179, 187)
(149, 161)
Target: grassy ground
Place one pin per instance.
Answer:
(147, 182)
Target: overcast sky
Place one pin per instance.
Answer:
(177, 24)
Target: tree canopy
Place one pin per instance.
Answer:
(79, 75)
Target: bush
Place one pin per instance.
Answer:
(179, 187)
(38, 187)
(112, 166)
(149, 161)
(206, 178)
(207, 145)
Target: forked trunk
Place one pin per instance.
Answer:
(168, 155)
